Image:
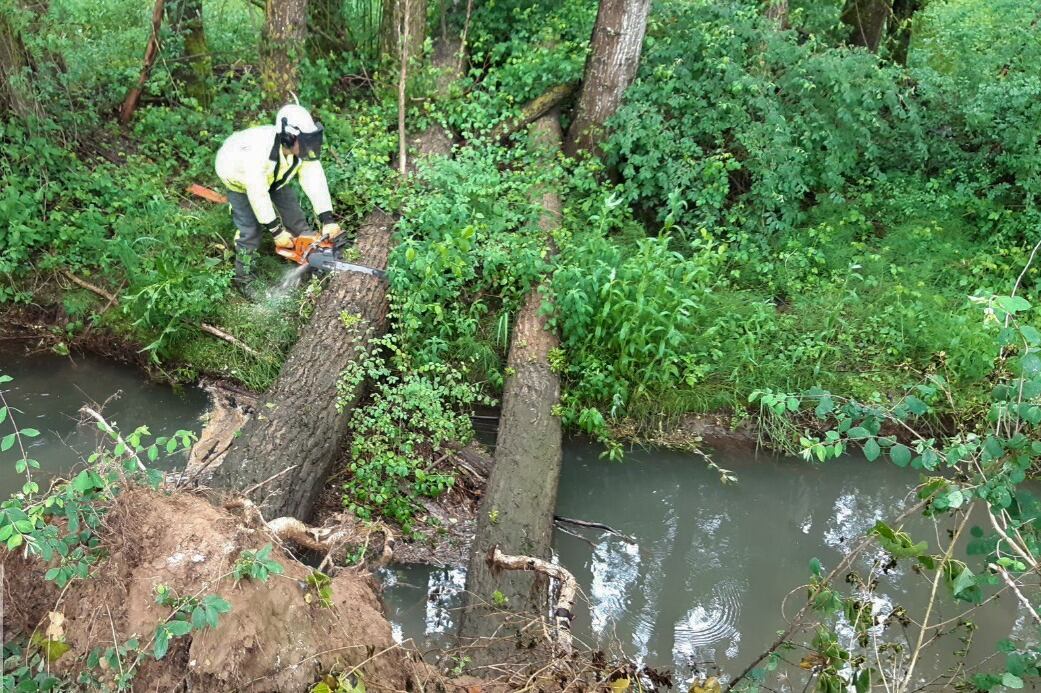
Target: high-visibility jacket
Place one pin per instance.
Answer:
(252, 162)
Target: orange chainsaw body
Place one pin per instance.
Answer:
(302, 247)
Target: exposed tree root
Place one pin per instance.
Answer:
(563, 612)
(327, 539)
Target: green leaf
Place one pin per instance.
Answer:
(900, 455)
(3, 414)
(858, 432)
(5, 379)
(14, 542)
(1030, 334)
(1011, 304)
(872, 450)
(1010, 680)
(964, 581)
(179, 628)
(815, 567)
(7, 442)
(29, 432)
(162, 642)
(955, 498)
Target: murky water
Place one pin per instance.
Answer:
(48, 390)
(702, 588)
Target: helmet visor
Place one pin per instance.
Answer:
(311, 143)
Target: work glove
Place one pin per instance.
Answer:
(331, 231)
(284, 239)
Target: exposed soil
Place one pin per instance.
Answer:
(272, 640)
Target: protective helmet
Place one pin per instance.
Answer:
(295, 124)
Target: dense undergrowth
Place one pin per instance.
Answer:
(778, 211)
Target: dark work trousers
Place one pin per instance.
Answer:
(248, 238)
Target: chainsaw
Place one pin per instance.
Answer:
(323, 254)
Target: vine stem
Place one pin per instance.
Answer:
(929, 608)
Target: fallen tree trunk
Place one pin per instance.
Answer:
(516, 511)
(299, 423)
(533, 110)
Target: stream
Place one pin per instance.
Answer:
(700, 590)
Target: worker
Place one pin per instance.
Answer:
(256, 165)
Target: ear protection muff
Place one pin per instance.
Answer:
(287, 136)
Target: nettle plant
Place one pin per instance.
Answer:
(970, 480)
(404, 431)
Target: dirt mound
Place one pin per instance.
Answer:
(277, 636)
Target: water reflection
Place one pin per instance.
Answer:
(703, 589)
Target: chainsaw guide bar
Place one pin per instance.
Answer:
(322, 254)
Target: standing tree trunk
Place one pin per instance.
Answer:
(403, 17)
(196, 72)
(14, 64)
(777, 12)
(516, 513)
(868, 18)
(281, 49)
(613, 59)
(126, 111)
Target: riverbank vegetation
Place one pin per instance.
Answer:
(792, 214)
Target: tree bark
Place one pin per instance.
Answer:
(14, 63)
(282, 47)
(516, 512)
(533, 110)
(126, 112)
(196, 72)
(613, 59)
(868, 19)
(777, 12)
(297, 423)
(396, 22)
(297, 426)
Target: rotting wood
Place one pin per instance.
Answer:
(516, 511)
(564, 609)
(533, 110)
(126, 112)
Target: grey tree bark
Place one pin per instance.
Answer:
(868, 20)
(14, 63)
(516, 512)
(777, 12)
(196, 72)
(396, 22)
(282, 46)
(613, 59)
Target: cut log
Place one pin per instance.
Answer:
(298, 424)
(516, 511)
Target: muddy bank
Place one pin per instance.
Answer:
(276, 637)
